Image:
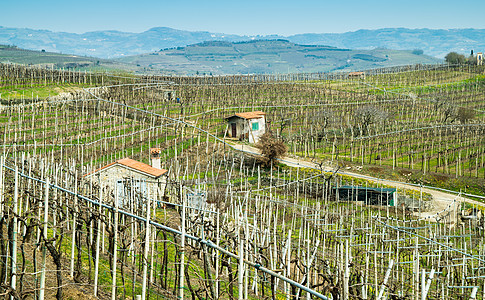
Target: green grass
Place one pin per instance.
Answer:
(30, 92)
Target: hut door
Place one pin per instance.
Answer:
(234, 131)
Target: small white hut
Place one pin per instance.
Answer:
(247, 126)
(480, 58)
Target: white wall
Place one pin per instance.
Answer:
(244, 128)
(254, 137)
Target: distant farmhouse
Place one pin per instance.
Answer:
(479, 58)
(476, 59)
(133, 179)
(247, 126)
(357, 75)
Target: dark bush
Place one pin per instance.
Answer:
(271, 148)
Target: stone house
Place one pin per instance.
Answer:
(132, 179)
(247, 126)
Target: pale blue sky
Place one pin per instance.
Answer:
(249, 17)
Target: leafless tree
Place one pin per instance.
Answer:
(320, 122)
(449, 113)
(368, 115)
(284, 123)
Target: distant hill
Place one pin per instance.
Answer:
(13, 54)
(109, 44)
(270, 56)
(221, 58)
(434, 42)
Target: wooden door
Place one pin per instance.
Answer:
(234, 131)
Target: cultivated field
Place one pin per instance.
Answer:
(258, 231)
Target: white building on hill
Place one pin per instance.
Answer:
(247, 126)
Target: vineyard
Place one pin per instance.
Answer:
(227, 226)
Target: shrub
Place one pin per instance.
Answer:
(418, 52)
(271, 148)
(465, 114)
(455, 58)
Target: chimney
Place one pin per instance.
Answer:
(155, 157)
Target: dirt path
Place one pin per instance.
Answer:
(444, 204)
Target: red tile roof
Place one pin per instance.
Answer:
(249, 115)
(136, 165)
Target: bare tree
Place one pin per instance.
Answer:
(284, 123)
(449, 113)
(367, 115)
(320, 122)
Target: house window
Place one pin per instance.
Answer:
(255, 126)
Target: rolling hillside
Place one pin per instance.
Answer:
(270, 56)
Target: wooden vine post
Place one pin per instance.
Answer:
(44, 233)
(115, 244)
(182, 247)
(98, 238)
(13, 280)
(147, 247)
(74, 225)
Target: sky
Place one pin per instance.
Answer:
(247, 17)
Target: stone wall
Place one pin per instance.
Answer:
(110, 176)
